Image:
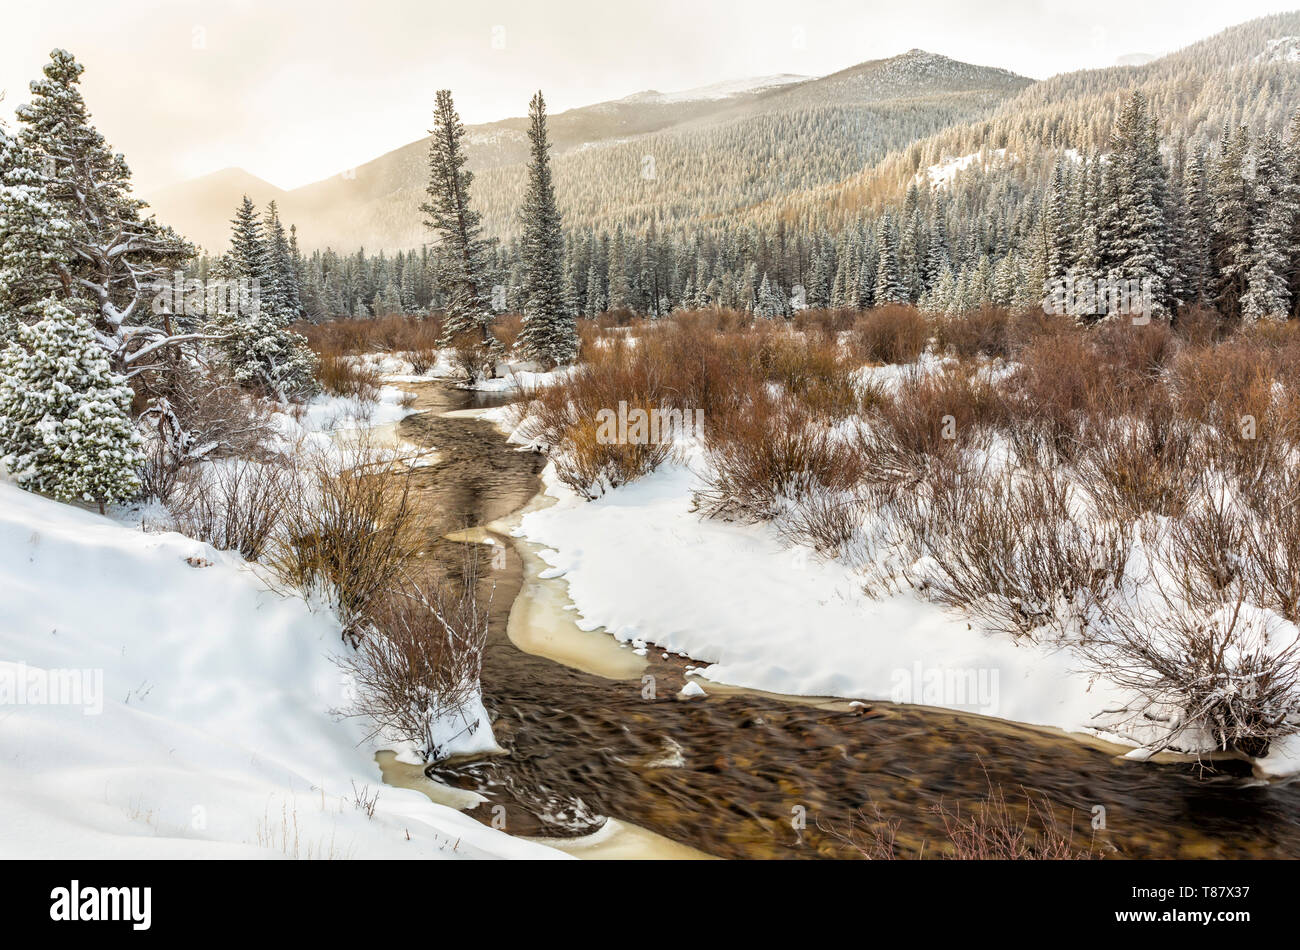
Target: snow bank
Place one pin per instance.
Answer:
(156, 700)
(642, 564)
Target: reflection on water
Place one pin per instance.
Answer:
(739, 774)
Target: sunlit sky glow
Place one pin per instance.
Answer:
(296, 91)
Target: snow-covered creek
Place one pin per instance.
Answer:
(605, 757)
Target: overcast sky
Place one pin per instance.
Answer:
(297, 91)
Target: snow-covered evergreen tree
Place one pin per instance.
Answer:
(33, 237)
(463, 249)
(65, 425)
(283, 295)
(549, 333)
(117, 256)
(889, 287)
(1267, 296)
(1137, 241)
(261, 351)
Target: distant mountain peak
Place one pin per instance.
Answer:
(718, 90)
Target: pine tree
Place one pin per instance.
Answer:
(33, 238)
(1194, 252)
(65, 426)
(889, 288)
(617, 290)
(463, 249)
(261, 351)
(117, 256)
(283, 292)
(1233, 210)
(1136, 241)
(549, 333)
(248, 258)
(1266, 294)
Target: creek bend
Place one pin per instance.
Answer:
(728, 775)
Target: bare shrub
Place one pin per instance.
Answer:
(1207, 539)
(1010, 552)
(591, 465)
(234, 505)
(350, 532)
(506, 329)
(343, 375)
(930, 417)
(1199, 326)
(770, 455)
(983, 332)
(998, 831)
(1226, 673)
(1141, 461)
(823, 323)
(420, 347)
(196, 414)
(894, 334)
(1271, 542)
(1051, 390)
(1233, 391)
(1130, 357)
(420, 659)
(829, 522)
(392, 333)
(992, 830)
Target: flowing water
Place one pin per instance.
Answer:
(602, 766)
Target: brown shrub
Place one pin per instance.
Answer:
(342, 375)
(1199, 326)
(769, 455)
(235, 505)
(420, 659)
(1052, 390)
(349, 533)
(893, 334)
(930, 417)
(983, 332)
(1139, 459)
(393, 333)
(506, 329)
(1009, 551)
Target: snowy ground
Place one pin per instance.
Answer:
(643, 565)
(158, 699)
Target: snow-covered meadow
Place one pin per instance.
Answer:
(644, 563)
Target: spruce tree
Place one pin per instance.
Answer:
(65, 425)
(33, 238)
(1136, 241)
(463, 249)
(549, 333)
(1233, 216)
(261, 351)
(116, 255)
(1266, 294)
(889, 287)
(284, 293)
